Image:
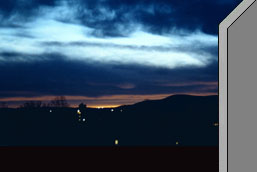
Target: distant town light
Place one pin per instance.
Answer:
(121, 110)
(177, 143)
(50, 111)
(216, 124)
(116, 142)
(112, 110)
(78, 112)
(79, 119)
(84, 119)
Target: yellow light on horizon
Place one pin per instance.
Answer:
(177, 143)
(103, 106)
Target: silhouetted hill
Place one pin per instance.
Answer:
(188, 120)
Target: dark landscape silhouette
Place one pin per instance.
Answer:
(179, 120)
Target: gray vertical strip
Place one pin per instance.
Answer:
(223, 100)
(223, 84)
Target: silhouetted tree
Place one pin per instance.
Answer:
(3, 105)
(32, 104)
(59, 102)
(82, 106)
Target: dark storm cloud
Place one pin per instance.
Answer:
(159, 16)
(23, 7)
(56, 76)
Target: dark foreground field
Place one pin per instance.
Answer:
(179, 133)
(175, 121)
(182, 159)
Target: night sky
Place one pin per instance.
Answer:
(109, 52)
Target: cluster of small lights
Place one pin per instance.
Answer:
(80, 113)
(100, 107)
(83, 120)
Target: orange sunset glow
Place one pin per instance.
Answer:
(95, 102)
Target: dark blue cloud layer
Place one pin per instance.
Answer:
(159, 16)
(60, 77)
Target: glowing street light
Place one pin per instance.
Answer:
(78, 112)
(116, 142)
(112, 110)
(216, 124)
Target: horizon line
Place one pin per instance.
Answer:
(99, 106)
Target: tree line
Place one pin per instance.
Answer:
(57, 102)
